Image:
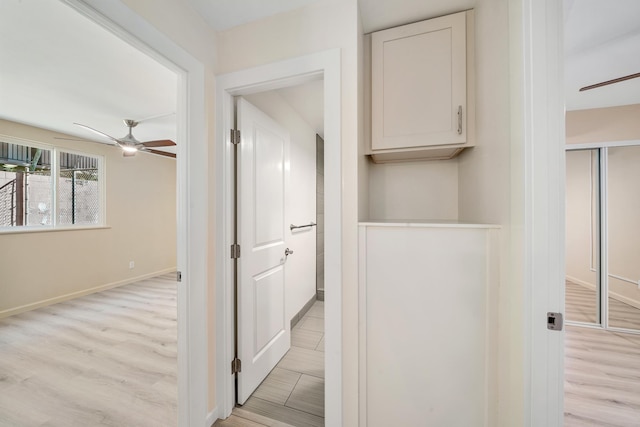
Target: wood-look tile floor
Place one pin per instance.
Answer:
(602, 368)
(293, 393)
(106, 359)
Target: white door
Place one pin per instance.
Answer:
(264, 334)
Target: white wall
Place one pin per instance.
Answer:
(416, 190)
(48, 266)
(184, 26)
(603, 124)
(300, 272)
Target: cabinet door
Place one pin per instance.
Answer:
(419, 88)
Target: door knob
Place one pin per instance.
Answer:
(287, 252)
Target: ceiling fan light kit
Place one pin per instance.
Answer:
(129, 144)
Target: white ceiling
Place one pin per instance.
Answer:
(602, 42)
(57, 67)
(308, 100)
(225, 14)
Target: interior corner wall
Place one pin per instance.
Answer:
(47, 266)
(600, 125)
(315, 28)
(300, 274)
(484, 169)
(485, 189)
(364, 109)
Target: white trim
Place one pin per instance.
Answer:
(268, 77)
(607, 144)
(192, 194)
(49, 228)
(212, 417)
(542, 168)
(362, 323)
(77, 294)
(623, 279)
(603, 289)
(582, 283)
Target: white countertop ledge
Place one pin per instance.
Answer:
(425, 224)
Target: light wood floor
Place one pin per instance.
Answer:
(602, 368)
(293, 393)
(581, 307)
(106, 359)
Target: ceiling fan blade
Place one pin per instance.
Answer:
(610, 82)
(160, 153)
(98, 132)
(159, 143)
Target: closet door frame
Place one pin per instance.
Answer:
(603, 157)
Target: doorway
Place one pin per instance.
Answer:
(280, 322)
(280, 75)
(192, 205)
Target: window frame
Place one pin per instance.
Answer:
(55, 182)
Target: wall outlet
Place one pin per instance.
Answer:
(132, 264)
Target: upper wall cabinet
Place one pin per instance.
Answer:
(421, 81)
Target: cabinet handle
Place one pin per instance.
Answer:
(459, 119)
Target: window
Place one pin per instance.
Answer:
(78, 190)
(46, 187)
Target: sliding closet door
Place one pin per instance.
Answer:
(623, 230)
(583, 237)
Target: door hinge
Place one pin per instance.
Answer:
(178, 276)
(235, 136)
(235, 251)
(554, 321)
(236, 366)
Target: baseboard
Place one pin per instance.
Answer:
(212, 417)
(614, 295)
(320, 294)
(299, 315)
(581, 283)
(626, 300)
(66, 297)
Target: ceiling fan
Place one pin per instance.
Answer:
(610, 82)
(129, 144)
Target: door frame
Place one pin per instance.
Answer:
(273, 76)
(191, 199)
(537, 214)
